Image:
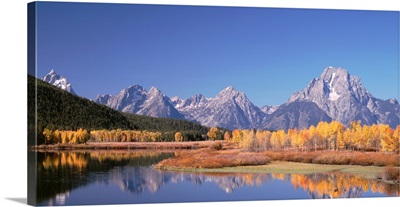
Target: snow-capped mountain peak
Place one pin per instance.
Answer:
(52, 72)
(59, 81)
(229, 108)
(341, 96)
(136, 100)
(154, 91)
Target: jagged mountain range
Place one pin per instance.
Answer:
(135, 99)
(335, 95)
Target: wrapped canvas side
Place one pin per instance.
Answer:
(32, 106)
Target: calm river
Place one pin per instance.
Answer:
(124, 177)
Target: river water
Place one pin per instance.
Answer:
(127, 177)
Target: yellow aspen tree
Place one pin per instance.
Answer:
(335, 129)
(375, 139)
(64, 137)
(347, 139)
(301, 139)
(323, 132)
(313, 137)
(262, 139)
(48, 136)
(274, 141)
(356, 134)
(248, 143)
(366, 137)
(227, 136)
(78, 136)
(84, 136)
(237, 136)
(278, 139)
(388, 143)
(291, 135)
(396, 137)
(57, 136)
(72, 137)
(213, 133)
(282, 137)
(340, 141)
(178, 137)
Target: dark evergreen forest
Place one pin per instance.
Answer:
(55, 109)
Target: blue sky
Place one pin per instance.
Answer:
(186, 50)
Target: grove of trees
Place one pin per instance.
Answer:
(117, 135)
(324, 136)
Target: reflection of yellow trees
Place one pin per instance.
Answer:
(332, 185)
(121, 155)
(337, 184)
(248, 179)
(325, 136)
(279, 176)
(64, 159)
(79, 160)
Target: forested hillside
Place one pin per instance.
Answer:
(58, 109)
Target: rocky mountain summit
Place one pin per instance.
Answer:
(335, 95)
(229, 109)
(59, 81)
(343, 98)
(137, 100)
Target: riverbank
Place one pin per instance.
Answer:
(128, 145)
(284, 167)
(231, 159)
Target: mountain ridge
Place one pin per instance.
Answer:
(334, 95)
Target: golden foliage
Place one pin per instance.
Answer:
(325, 136)
(213, 133)
(178, 137)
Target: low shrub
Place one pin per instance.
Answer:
(216, 146)
(391, 173)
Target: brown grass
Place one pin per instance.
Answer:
(209, 158)
(217, 146)
(231, 156)
(337, 157)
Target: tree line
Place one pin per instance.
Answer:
(324, 136)
(81, 136)
(50, 108)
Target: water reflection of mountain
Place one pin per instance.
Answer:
(318, 186)
(138, 179)
(60, 173)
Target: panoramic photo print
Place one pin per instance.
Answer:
(136, 104)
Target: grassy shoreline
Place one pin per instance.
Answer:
(128, 145)
(285, 167)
